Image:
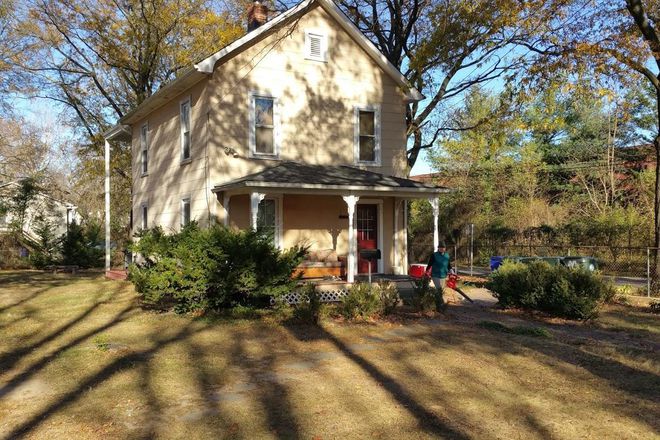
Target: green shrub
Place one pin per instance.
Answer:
(366, 300)
(211, 269)
(557, 290)
(389, 296)
(310, 310)
(362, 301)
(424, 294)
(82, 245)
(47, 246)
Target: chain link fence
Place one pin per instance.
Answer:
(625, 266)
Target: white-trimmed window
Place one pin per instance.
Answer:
(316, 45)
(264, 125)
(185, 211)
(269, 218)
(144, 211)
(367, 135)
(144, 149)
(184, 110)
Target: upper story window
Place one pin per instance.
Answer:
(367, 135)
(316, 45)
(145, 221)
(144, 148)
(185, 211)
(185, 129)
(264, 126)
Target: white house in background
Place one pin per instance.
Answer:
(299, 127)
(59, 213)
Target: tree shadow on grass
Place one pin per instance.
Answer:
(570, 351)
(36, 278)
(272, 394)
(427, 420)
(34, 295)
(28, 372)
(8, 360)
(126, 361)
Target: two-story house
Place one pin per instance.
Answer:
(298, 126)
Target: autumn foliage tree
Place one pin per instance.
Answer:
(617, 41)
(100, 58)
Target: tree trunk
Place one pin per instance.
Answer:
(415, 150)
(656, 211)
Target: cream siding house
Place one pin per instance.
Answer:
(298, 126)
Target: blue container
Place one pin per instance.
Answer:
(495, 262)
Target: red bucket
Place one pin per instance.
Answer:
(417, 270)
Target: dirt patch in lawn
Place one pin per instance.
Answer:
(80, 359)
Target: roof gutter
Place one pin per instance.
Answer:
(118, 132)
(320, 186)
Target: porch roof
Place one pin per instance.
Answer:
(331, 179)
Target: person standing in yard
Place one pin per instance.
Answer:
(440, 266)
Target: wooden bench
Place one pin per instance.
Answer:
(320, 269)
(63, 268)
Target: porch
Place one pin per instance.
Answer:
(336, 211)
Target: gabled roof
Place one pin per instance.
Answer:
(199, 71)
(293, 175)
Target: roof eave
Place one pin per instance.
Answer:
(418, 192)
(208, 64)
(188, 77)
(118, 132)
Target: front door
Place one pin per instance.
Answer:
(367, 235)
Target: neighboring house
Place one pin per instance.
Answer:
(299, 127)
(60, 214)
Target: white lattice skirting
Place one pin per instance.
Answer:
(327, 295)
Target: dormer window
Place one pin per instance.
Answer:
(316, 46)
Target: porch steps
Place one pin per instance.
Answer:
(116, 274)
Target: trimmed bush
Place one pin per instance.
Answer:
(389, 297)
(424, 295)
(557, 290)
(211, 269)
(311, 309)
(366, 300)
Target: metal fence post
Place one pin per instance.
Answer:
(648, 272)
(471, 249)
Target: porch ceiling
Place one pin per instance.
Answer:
(292, 177)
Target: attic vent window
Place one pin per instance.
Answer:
(316, 46)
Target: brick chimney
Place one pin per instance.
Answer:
(257, 15)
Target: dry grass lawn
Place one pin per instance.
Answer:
(80, 359)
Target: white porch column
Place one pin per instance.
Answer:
(435, 204)
(107, 205)
(351, 201)
(225, 206)
(255, 199)
(395, 239)
(405, 237)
